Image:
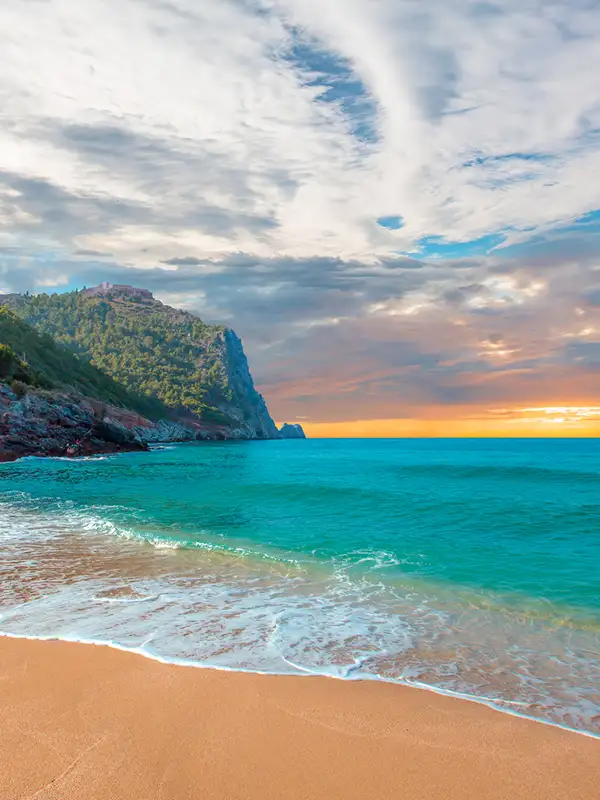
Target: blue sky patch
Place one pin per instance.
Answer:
(484, 160)
(592, 217)
(575, 237)
(338, 83)
(392, 223)
(439, 247)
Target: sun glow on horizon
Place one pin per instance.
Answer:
(539, 421)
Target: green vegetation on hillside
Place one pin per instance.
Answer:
(146, 347)
(28, 358)
(14, 371)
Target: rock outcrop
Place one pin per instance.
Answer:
(53, 424)
(118, 290)
(44, 423)
(291, 431)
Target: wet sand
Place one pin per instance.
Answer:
(79, 722)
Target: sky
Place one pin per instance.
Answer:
(395, 203)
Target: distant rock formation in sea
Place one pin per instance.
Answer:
(291, 431)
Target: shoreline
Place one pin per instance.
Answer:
(11, 458)
(108, 450)
(66, 424)
(304, 674)
(85, 722)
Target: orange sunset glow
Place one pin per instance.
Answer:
(550, 421)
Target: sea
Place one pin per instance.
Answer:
(469, 567)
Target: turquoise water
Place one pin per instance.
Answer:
(469, 566)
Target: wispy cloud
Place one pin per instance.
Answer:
(276, 126)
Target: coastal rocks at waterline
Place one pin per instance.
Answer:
(291, 431)
(44, 423)
(164, 431)
(55, 424)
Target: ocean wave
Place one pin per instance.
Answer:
(334, 623)
(204, 561)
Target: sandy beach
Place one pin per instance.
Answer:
(83, 722)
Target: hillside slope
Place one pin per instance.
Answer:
(198, 372)
(53, 403)
(36, 360)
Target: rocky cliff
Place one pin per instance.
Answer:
(54, 423)
(174, 369)
(247, 407)
(43, 423)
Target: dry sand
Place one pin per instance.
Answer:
(79, 722)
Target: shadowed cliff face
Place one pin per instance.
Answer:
(247, 405)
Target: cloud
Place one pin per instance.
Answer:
(271, 127)
(183, 261)
(390, 199)
(92, 253)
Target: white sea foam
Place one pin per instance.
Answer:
(165, 544)
(126, 599)
(259, 615)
